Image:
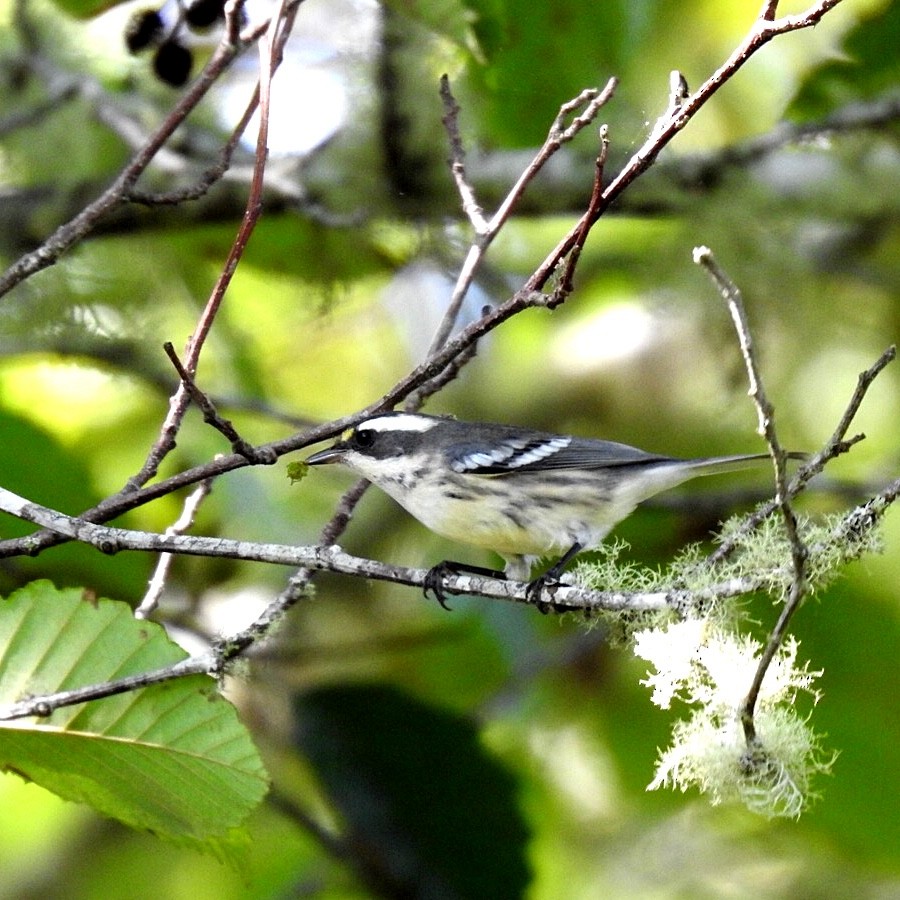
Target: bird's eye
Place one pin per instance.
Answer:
(364, 437)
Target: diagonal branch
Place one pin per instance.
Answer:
(676, 118)
(118, 192)
(271, 45)
(589, 102)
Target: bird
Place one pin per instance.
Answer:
(522, 493)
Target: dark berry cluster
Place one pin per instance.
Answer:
(172, 60)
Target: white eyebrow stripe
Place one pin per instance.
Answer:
(541, 451)
(402, 422)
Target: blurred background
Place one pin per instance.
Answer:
(337, 297)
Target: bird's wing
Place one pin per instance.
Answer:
(536, 453)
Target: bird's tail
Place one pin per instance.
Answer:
(670, 473)
(712, 464)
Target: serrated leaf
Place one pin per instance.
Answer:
(173, 758)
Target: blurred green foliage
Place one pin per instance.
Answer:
(336, 298)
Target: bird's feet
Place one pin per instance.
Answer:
(434, 578)
(536, 588)
(551, 578)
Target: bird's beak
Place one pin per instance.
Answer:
(333, 454)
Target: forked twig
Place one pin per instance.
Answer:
(766, 413)
(254, 455)
(837, 444)
(271, 44)
(71, 232)
(561, 131)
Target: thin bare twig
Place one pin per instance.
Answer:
(298, 584)
(703, 168)
(450, 373)
(566, 282)
(84, 222)
(678, 115)
(209, 177)
(837, 444)
(254, 455)
(766, 413)
(450, 119)
(157, 582)
(590, 102)
(680, 111)
(44, 705)
(271, 45)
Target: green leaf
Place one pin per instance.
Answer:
(61, 481)
(452, 19)
(436, 814)
(550, 53)
(871, 66)
(86, 9)
(172, 758)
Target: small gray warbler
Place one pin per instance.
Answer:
(523, 494)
